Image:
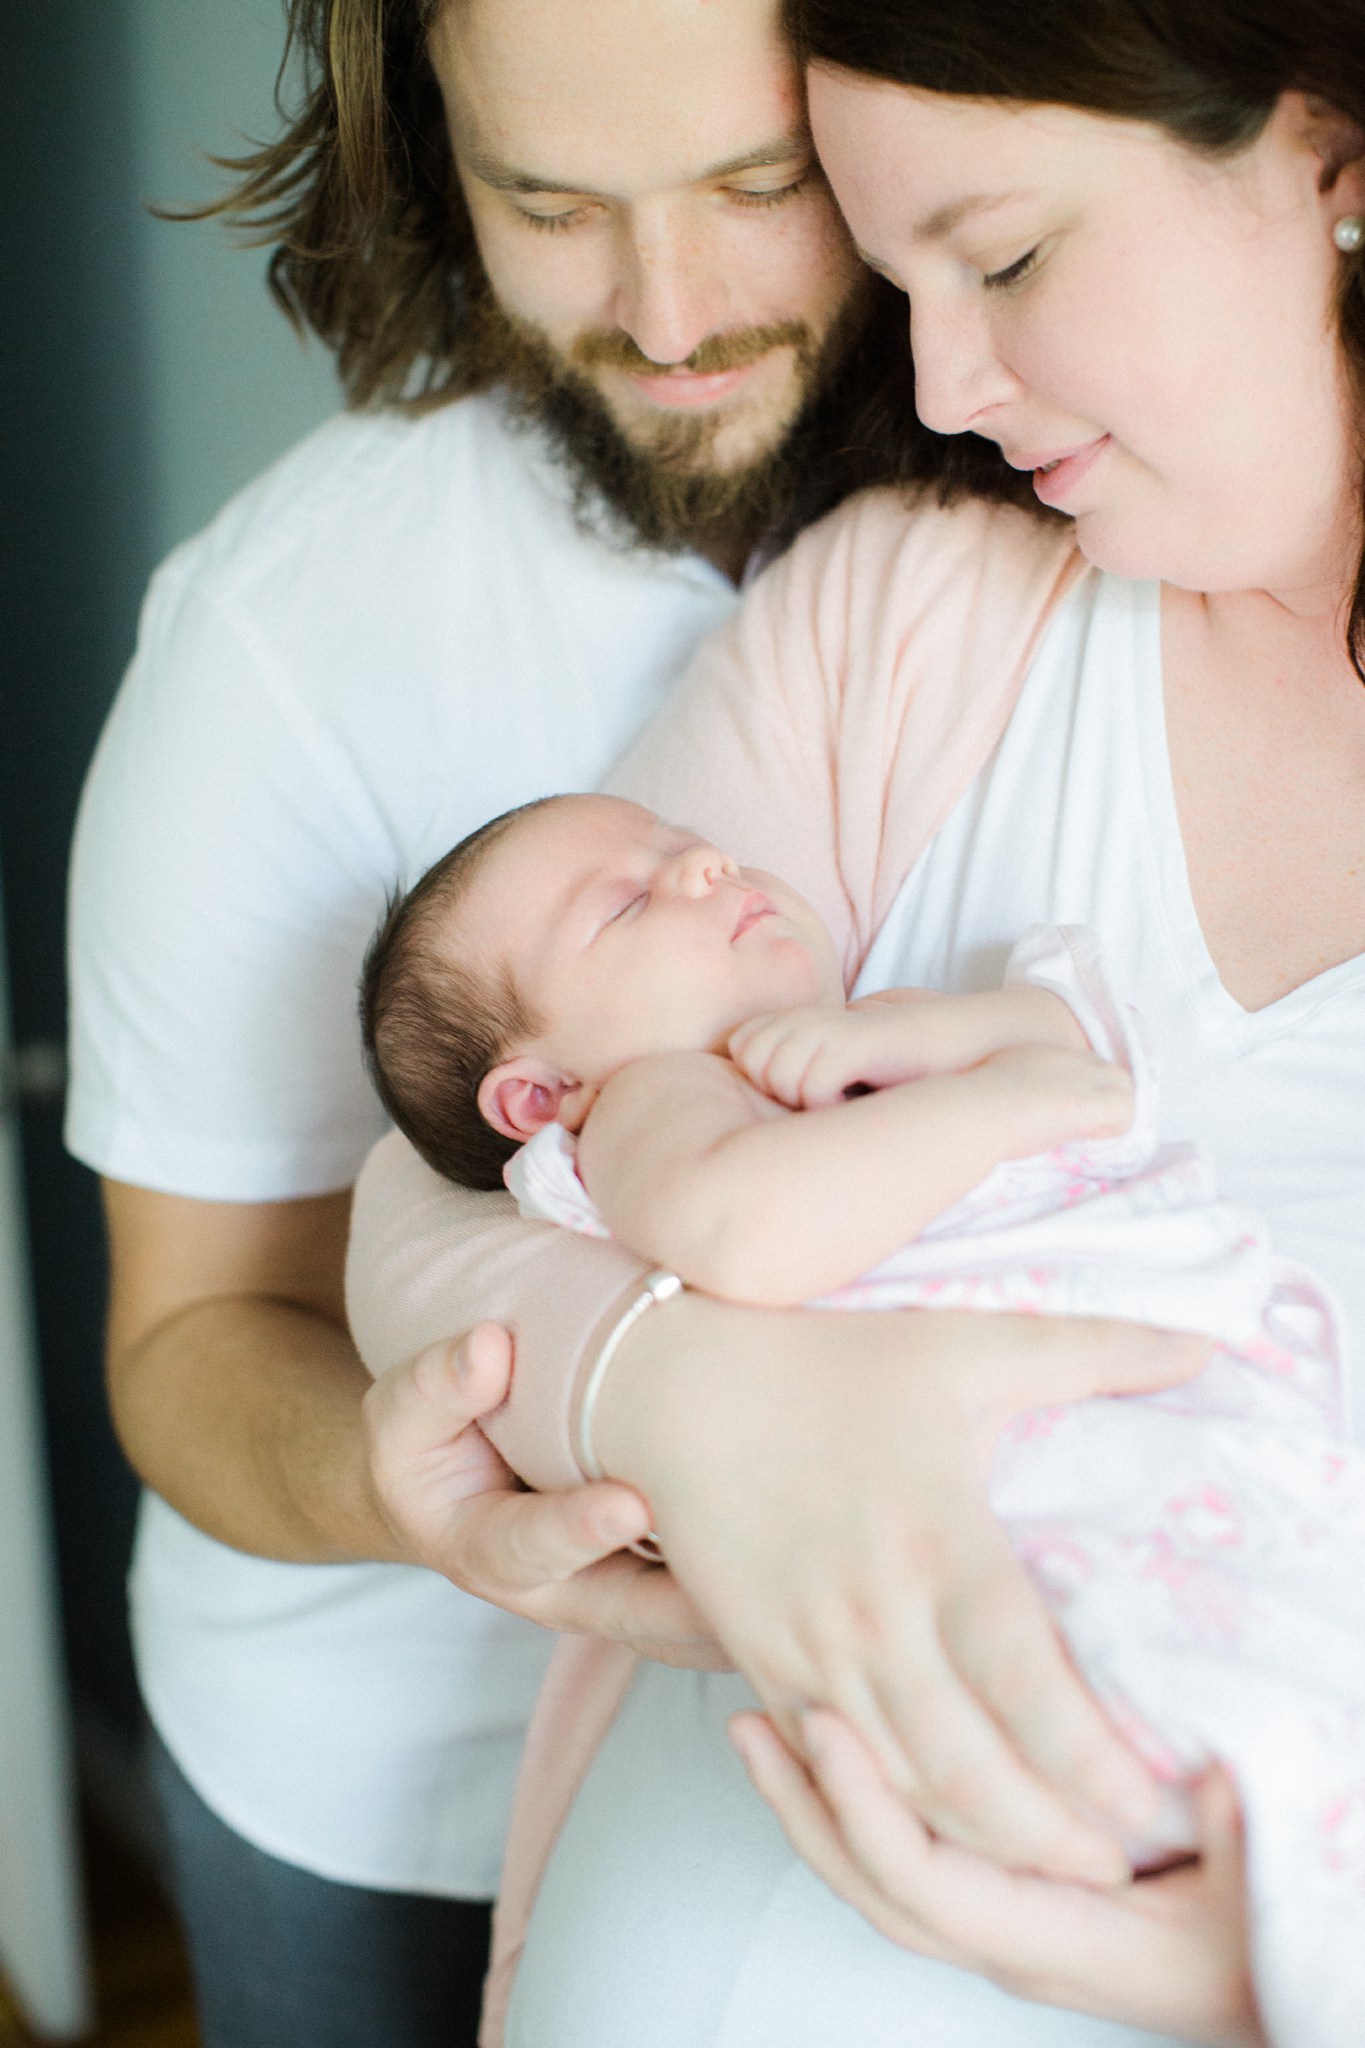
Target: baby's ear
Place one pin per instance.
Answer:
(521, 1096)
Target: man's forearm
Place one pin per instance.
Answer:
(244, 1414)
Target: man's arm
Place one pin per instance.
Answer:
(239, 1397)
(234, 1386)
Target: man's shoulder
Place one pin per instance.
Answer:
(358, 494)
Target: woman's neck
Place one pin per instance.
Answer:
(1266, 723)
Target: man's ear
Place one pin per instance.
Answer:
(522, 1095)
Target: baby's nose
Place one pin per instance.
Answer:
(699, 868)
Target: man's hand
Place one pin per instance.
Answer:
(1168, 1954)
(557, 1558)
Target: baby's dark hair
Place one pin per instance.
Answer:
(434, 1022)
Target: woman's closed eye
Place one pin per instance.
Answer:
(1013, 273)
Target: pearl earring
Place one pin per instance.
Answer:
(1349, 233)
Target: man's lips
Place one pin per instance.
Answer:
(685, 390)
(753, 910)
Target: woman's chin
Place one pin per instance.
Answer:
(1141, 554)
(1122, 549)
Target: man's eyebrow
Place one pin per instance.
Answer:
(504, 177)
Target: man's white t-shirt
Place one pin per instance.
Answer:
(673, 1913)
(398, 631)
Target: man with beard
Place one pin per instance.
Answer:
(604, 340)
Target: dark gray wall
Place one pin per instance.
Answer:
(144, 379)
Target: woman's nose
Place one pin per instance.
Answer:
(958, 375)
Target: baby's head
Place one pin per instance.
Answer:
(552, 947)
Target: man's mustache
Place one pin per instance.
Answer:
(614, 349)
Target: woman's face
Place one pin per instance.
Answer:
(1148, 331)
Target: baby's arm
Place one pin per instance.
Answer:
(809, 1058)
(695, 1170)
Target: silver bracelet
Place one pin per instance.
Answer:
(657, 1286)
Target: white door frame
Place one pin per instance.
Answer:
(43, 1946)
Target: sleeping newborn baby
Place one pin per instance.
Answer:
(650, 1042)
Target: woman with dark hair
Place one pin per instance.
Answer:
(1130, 236)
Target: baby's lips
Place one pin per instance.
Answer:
(755, 907)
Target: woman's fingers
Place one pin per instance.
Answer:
(1167, 1954)
(939, 1746)
(1045, 1362)
(811, 1829)
(1005, 1646)
(969, 1783)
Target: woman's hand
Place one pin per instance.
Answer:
(818, 1483)
(1168, 1954)
(452, 1505)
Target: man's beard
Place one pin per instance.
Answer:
(662, 487)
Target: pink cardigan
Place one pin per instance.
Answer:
(825, 734)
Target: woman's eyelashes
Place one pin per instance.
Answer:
(1013, 273)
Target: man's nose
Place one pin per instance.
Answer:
(671, 292)
(958, 375)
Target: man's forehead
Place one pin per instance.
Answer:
(608, 95)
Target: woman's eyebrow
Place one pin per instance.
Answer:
(934, 226)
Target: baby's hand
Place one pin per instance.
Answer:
(810, 1058)
(813, 1057)
(1051, 1096)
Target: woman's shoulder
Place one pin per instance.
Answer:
(901, 537)
(893, 595)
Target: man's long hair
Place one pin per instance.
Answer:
(374, 252)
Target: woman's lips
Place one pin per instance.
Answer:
(753, 910)
(1056, 476)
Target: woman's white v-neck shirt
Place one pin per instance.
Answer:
(673, 1914)
(1074, 821)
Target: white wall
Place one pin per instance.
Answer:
(228, 387)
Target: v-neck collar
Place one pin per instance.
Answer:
(1238, 1030)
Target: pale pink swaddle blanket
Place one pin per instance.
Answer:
(1203, 1550)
